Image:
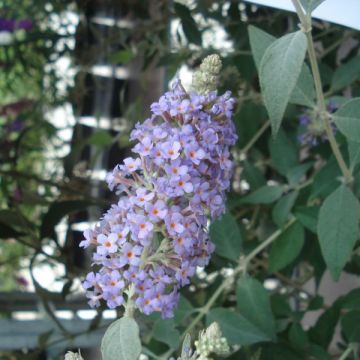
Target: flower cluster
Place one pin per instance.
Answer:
(11, 25)
(312, 130)
(149, 244)
(11, 29)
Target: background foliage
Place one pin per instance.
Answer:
(293, 211)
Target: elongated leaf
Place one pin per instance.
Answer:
(253, 303)
(226, 235)
(351, 300)
(284, 154)
(326, 180)
(121, 340)
(308, 217)
(259, 42)
(304, 91)
(323, 331)
(57, 211)
(346, 74)
(100, 138)
(188, 23)
(7, 232)
(350, 325)
(183, 310)
(286, 247)
(338, 228)
(264, 195)
(347, 119)
(279, 71)
(164, 331)
(281, 210)
(235, 328)
(354, 153)
(310, 5)
(296, 173)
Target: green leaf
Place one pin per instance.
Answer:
(326, 180)
(318, 353)
(43, 338)
(284, 153)
(265, 195)
(351, 300)
(235, 328)
(164, 331)
(248, 120)
(100, 138)
(253, 175)
(350, 324)
(346, 74)
(122, 57)
(14, 218)
(286, 247)
(281, 210)
(338, 228)
(7, 232)
(354, 153)
(121, 340)
(310, 5)
(259, 42)
(347, 119)
(188, 23)
(226, 235)
(279, 71)
(183, 310)
(323, 331)
(57, 211)
(298, 337)
(253, 303)
(304, 91)
(295, 174)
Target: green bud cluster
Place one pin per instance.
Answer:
(73, 356)
(206, 78)
(210, 342)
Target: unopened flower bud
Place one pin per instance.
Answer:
(73, 356)
(205, 79)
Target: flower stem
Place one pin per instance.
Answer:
(306, 27)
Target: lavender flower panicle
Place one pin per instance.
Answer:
(149, 244)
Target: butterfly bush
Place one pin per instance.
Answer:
(148, 245)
